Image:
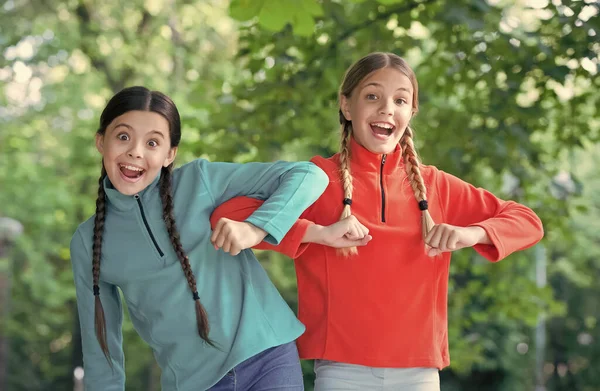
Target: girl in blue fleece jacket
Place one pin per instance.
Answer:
(213, 318)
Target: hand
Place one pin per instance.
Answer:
(446, 237)
(235, 236)
(348, 232)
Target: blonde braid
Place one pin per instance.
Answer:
(412, 163)
(346, 177)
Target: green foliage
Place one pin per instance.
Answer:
(273, 15)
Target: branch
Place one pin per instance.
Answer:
(383, 16)
(353, 29)
(331, 49)
(85, 31)
(146, 18)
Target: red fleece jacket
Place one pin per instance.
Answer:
(387, 306)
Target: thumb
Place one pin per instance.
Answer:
(359, 242)
(434, 252)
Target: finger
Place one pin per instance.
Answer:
(227, 244)
(434, 236)
(453, 240)
(355, 243)
(430, 234)
(427, 249)
(363, 229)
(353, 233)
(235, 249)
(344, 242)
(216, 231)
(360, 230)
(434, 252)
(445, 236)
(365, 240)
(220, 239)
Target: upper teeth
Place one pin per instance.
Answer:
(132, 168)
(383, 125)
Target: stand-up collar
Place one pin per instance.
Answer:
(125, 202)
(364, 160)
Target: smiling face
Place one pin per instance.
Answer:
(135, 147)
(380, 108)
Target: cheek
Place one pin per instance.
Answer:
(403, 115)
(157, 159)
(365, 110)
(110, 151)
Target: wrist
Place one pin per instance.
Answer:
(260, 233)
(313, 234)
(480, 234)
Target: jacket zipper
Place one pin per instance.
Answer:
(137, 198)
(382, 189)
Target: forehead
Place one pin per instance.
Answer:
(388, 78)
(142, 121)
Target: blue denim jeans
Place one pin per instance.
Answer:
(274, 369)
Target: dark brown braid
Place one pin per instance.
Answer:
(99, 320)
(167, 201)
(130, 99)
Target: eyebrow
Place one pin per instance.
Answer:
(131, 128)
(380, 85)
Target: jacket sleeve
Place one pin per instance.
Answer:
(287, 189)
(510, 226)
(98, 374)
(240, 208)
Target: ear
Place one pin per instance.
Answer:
(100, 143)
(170, 156)
(345, 107)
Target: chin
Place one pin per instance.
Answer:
(129, 192)
(382, 149)
(127, 189)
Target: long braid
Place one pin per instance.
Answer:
(99, 319)
(346, 176)
(167, 201)
(412, 164)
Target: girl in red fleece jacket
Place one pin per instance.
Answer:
(376, 316)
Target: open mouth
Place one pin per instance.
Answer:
(131, 173)
(382, 129)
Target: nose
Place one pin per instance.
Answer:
(387, 107)
(135, 151)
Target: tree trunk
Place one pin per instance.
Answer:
(9, 230)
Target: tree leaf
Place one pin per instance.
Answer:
(274, 15)
(244, 10)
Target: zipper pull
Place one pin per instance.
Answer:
(383, 159)
(136, 196)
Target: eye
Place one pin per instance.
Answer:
(401, 101)
(123, 136)
(153, 143)
(371, 97)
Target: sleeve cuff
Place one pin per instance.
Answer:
(492, 252)
(291, 245)
(274, 236)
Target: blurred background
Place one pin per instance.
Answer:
(509, 94)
